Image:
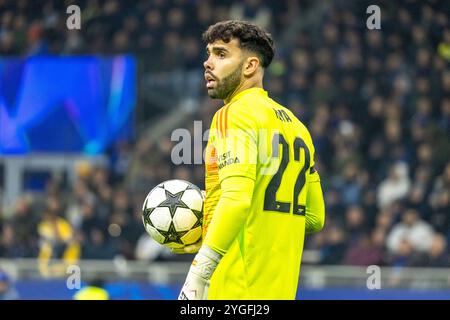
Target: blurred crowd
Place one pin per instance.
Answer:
(377, 104)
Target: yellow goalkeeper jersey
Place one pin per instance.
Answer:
(253, 136)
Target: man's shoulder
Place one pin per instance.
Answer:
(241, 109)
(257, 108)
(253, 106)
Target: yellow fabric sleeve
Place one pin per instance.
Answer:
(315, 206)
(230, 214)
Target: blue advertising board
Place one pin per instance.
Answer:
(78, 104)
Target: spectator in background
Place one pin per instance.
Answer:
(97, 246)
(8, 248)
(368, 250)
(56, 241)
(403, 255)
(90, 219)
(349, 184)
(436, 255)
(335, 246)
(149, 250)
(416, 232)
(369, 207)
(355, 224)
(395, 186)
(24, 225)
(104, 201)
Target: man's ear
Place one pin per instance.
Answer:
(251, 65)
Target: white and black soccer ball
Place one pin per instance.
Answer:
(173, 213)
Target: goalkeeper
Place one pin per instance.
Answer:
(263, 193)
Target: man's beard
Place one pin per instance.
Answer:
(227, 85)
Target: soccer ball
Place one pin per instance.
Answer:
(173, 212)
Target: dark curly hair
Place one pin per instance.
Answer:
(251, 38)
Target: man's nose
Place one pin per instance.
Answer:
(207, 64)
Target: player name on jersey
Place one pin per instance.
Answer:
(282, 115)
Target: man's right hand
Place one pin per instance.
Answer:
(192, 248)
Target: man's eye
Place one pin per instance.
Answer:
(221, 55)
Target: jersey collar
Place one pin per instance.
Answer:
(256, 90)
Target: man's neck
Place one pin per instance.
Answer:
(241, 87)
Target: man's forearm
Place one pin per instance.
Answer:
(315, 206)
